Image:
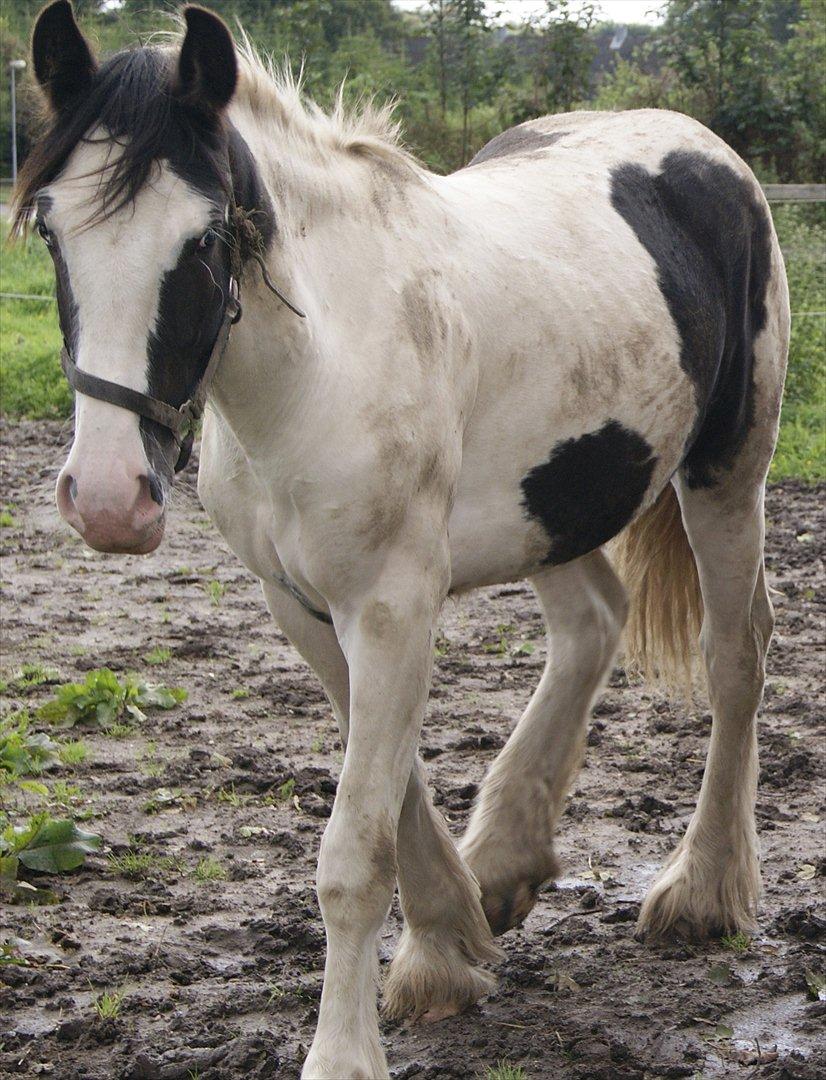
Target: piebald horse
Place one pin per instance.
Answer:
(437, 383)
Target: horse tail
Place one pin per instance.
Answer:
(656, 564)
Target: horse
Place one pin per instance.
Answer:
(561, 363)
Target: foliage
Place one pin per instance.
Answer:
(31, 382)
(209, 869)
(158, 655)
(753, 70)
(563, 55)
(503, 1070)
(107, 1005)
(44, 844)
(30, 676)
(104, 699)
(801, 448)
(24, 752)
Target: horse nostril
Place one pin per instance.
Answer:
(155, 488)
(67, 489)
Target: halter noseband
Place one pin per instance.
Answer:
(181, 421)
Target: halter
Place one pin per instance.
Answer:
(181, 421)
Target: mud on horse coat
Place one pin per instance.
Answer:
(580, 338)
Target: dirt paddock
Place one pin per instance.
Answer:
(221, 972)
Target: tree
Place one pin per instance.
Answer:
(726, 51)
(565, 50)
(804, 63)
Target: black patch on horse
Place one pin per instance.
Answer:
(588, 489)
(711, 241)
(192, 295)
(516, 140)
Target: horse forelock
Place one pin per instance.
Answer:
(131, 101)
(131, 105)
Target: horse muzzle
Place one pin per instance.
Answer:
(126, 517)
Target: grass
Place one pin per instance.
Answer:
(209, 869)
(738, 942)
(33, 385)
(801, 448)
(503, 1070)
(134, 865)
(32, 382)
(107, 1005)
(74, 752)
(158, 655)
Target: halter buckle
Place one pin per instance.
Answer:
(235, 298)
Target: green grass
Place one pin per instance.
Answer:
(31, 382)
(738, 942)
(503, 1070)
(32, 385)
(107, 1005)
(209, 869)
(74, 752)
(801, 447)
(158, 655)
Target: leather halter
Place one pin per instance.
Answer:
(181, 421)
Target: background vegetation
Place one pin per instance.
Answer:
(753, 70)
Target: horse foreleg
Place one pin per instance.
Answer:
(435, 970)
(386, 637)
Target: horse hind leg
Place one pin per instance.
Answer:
(509, 841)
(712, 881)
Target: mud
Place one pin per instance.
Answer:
(221, 978)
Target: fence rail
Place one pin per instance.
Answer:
(795, 192)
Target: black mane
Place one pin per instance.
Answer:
(132, 98)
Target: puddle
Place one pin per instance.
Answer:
(776, 1023)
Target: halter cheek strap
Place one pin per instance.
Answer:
(246, 242)
(181, 421)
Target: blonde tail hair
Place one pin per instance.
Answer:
(656, 564)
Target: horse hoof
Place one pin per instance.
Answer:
(511, 908)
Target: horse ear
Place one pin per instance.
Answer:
(63, 62)
(207, 66)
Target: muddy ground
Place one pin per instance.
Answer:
(221, 978)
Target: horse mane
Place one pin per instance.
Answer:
(274, 95)
(130, 101)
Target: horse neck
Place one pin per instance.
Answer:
(343, 228)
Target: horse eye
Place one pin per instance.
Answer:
(208, 239)
(44, 233)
